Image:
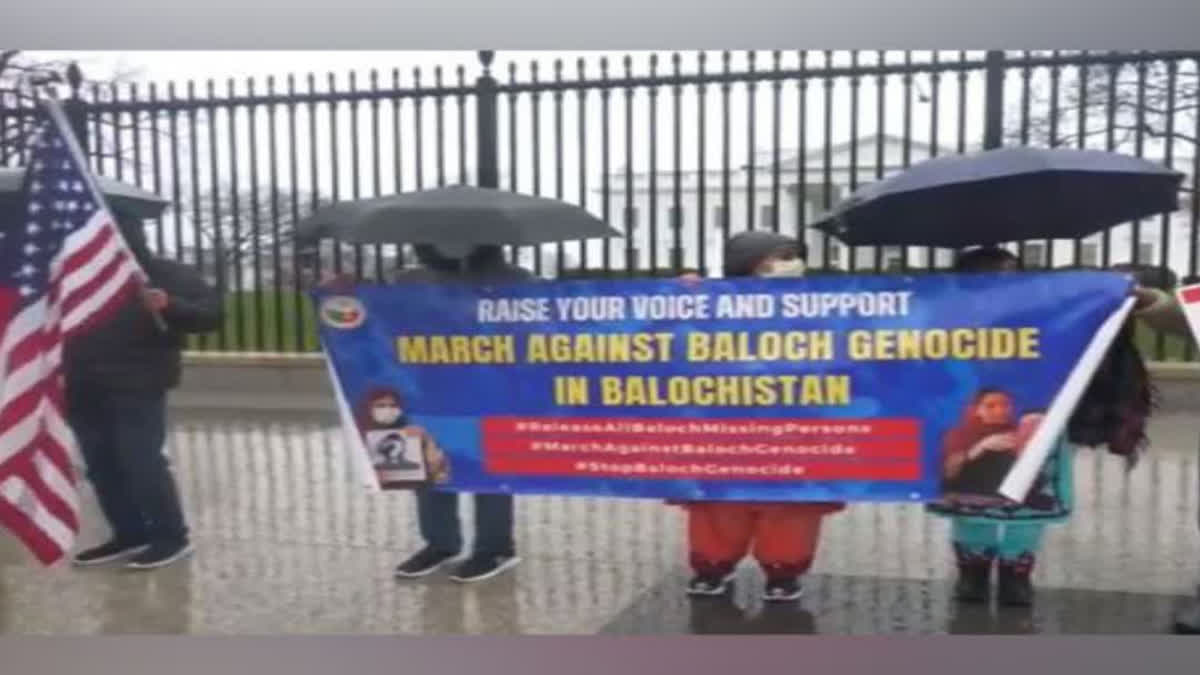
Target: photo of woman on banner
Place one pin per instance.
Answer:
(782, 537)
(981, 450)
(403, 454)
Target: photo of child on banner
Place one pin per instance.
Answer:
(402, 454)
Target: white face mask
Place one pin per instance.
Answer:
(785, 268)
(385, 414)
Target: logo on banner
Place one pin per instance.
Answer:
(343, 312)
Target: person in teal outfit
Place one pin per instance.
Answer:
(988, 531)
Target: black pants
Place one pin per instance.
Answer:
(437, 513)
(122, 437)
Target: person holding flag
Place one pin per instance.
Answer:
(91, 332)
(118, 376)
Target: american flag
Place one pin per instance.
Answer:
(63, 267)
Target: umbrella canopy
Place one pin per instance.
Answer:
(129, 200)
(1009, 194)
(457, 217)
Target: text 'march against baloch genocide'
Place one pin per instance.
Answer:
(704, 347)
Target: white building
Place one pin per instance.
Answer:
(651, 207)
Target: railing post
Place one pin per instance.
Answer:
(487, 145)
(993, 129)
(75, 107)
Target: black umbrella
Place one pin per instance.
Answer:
(128, 200)
(1010, 194)
(456, 217)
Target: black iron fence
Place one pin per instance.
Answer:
(677, 151)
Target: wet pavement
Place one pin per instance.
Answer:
(287, 545)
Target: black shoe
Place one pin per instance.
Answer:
(1187, 620)
(479, 567)
(160, 554)
(1014, 588)
(106, 553)
(782, 590)
(708, 586)
(425, 562)
(974, 584)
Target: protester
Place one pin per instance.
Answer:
(783, 536)
(989, 533)
(117, 379)
(437, 511)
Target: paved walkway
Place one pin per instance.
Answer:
(287, 545)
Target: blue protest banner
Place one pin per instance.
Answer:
(820, 389)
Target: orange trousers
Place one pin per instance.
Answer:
(782, 537)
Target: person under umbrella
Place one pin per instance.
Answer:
(437, 511)
(783, 537)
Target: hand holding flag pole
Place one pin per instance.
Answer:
(54, 109)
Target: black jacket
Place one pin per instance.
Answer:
(129, 351)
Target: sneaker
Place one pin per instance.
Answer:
(160, 555)
(425, 562)
(480, 567)
(106, 553)
(708, 586)
(782, 590)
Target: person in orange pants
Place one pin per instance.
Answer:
(782, 537)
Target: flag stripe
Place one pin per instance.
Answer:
(43, 547)
(17, 492)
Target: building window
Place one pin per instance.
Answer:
(1034, 255)
(1145, 252)
(675, 217)
(767, 214)
(815, 196)
(631, 220)
(835, 254)
(1089, 254)
(720, 215)
(893, 259)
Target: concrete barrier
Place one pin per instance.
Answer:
(300, 383)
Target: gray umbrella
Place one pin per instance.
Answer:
(129, 200)
(454, 218)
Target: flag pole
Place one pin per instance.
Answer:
(53, 108)
(1025, 470)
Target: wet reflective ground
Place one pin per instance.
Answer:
(287, 545)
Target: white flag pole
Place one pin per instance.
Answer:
(1020, 478)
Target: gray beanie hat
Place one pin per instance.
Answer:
(744, 251)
